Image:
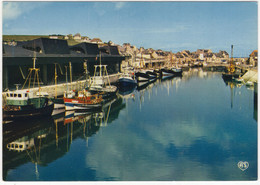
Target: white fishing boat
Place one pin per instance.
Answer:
(27, 103)
(100, 82)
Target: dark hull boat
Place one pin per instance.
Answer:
(126, 81)
(152, 74)
(167, 72)
(177, 71)
(158, 72)
(230, 73)
(29, 111)
(20, 104)
(229, 76)
(142, 77)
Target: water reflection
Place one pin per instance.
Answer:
(194, 127)
(43, 141)
(184, 129)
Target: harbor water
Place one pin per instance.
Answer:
(191, 128)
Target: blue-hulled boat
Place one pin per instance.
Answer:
(126, 80)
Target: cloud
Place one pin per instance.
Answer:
(13, 10)
(119, 5)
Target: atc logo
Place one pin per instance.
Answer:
(243, 165)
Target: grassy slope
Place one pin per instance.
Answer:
(32, 37)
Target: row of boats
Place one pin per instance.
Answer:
(27, 103)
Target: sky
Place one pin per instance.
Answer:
(169, 26)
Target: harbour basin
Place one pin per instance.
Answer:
(191, 128)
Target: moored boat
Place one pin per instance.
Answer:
(230, 74)
(142, 77)
(177, 71)
(82, 101)
(27, 103)
(152, 74)
(126, 80)
(167, 72)
(22, 104)
(100, 82)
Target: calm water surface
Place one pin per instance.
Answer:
(182, 129)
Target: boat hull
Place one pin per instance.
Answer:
(125, 82)
(28, 113)
(177, 71)
(230, 76)
(152, 75)
(167, 72)
(141, 77)
(80, 105)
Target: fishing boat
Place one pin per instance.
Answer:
(177, 70)
(82, 101)
(230, 74)
(100, 82)
(167, 72)
(152, 74)
(142, 76)
(126, 80)
(27, 103)
(158, 72)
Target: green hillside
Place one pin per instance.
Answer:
(7, 38)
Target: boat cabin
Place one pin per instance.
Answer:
(19, 97)
(22, 97)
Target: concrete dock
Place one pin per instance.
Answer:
(250, 75)
(59, 89)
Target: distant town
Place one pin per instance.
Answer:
(144, 58)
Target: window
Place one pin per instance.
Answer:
(19, 95)
(15, 95)
(11, 95)
(25, 94)
(7, 94)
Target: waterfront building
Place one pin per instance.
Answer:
(253, 60)
(96, 40)
(77, 36)
(17, 58)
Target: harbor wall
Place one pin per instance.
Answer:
(59, 89)
(250, 75)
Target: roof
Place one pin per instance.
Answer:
(47, 46)
(87, 48)
(254, 53)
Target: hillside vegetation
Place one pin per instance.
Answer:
(7, 38)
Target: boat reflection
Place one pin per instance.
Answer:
(43, 141)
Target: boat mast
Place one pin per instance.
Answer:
(70, 75)
(100, 69)
(55, 78)
(67, 78)
(232, 66)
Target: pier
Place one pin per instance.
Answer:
(59, 89)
